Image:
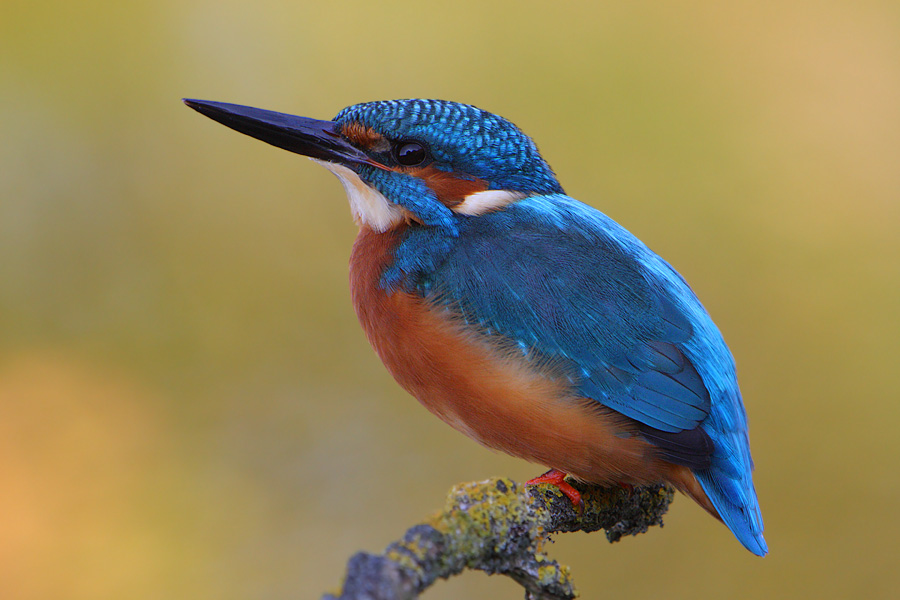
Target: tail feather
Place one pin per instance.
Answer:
(737, 506)
(732, 501)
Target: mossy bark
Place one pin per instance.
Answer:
(500, 527)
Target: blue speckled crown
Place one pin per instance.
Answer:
(461, 138)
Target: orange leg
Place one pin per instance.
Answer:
(557, 478)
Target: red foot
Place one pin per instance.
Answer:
(558, 478)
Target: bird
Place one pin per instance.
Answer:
(527, 320)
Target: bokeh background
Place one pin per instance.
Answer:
(188, 408)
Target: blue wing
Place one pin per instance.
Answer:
(566, 284)
(569, 285)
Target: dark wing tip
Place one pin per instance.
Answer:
(692, 448)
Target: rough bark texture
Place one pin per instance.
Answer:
(499, 526)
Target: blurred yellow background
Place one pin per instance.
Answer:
(188, 408)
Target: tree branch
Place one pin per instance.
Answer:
(500, 527)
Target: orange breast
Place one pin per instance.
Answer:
(486, 391)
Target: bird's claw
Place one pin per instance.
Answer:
(557, 478)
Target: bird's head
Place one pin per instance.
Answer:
(426, 161)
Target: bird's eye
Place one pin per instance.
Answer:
(410, 154)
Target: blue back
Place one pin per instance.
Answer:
(568, 285)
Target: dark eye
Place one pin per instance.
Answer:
(410, 154)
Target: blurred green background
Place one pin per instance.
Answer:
(188, 408)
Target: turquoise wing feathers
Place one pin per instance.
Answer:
(565, 283)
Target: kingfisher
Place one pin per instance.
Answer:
(525, 319)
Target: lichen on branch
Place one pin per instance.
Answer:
(500, 527)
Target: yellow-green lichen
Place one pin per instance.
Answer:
(480, 508)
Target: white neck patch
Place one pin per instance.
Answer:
(368, 205)
(486, 201)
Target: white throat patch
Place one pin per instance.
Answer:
(368, 205)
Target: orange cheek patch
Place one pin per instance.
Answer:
(364, 137)
(450, 189)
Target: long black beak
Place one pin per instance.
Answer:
(309, 137)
